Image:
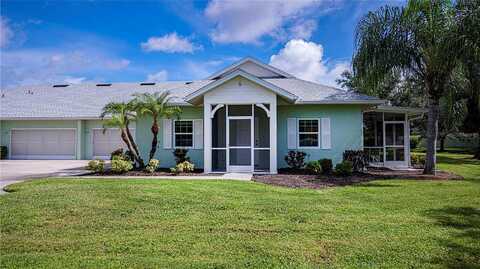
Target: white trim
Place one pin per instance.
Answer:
(250, 59)
(47, 157)
(239, 73)
(366, 102)
(262, 106)
(217, 107)
(318, 134)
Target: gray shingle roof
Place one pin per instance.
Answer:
(87, 100)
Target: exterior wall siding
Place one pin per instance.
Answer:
(346, 129)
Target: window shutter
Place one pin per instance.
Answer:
(198, 133)
(167, 133)
(326, 134)
(292, 133)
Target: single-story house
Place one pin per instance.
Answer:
(244, 118)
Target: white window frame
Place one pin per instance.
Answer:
(175, 135)
(318, 133)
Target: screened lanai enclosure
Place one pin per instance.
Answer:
(241, 138)
(386, 137)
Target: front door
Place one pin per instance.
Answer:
(395, 143)
(240, 144)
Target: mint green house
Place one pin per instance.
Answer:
(244, 118)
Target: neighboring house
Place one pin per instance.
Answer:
(244, 118)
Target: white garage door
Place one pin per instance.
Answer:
(43, 144)
(105, 143)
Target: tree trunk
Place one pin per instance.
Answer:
(432, 131)
(135, 151)
(154, 130)
(442, 143)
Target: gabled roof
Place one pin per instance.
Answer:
(194, 96)
(246, 60)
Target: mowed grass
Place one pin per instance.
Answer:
(58, 223)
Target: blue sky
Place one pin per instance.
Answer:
(80, 41)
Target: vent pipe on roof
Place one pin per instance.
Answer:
(188, 82)
(104, 84)
(60, 85)
(147, 83)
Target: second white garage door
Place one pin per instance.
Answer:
(47, 144)
(105, 143)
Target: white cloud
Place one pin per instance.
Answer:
(162, 75)
(170, 43)
(305, 60)
(6, 32)
(248, 22)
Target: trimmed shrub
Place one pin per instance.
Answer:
(97, 166)
(3, 152)
(121, 166)
(181, 155)
(295, 159)
(417, 160)
(344, 168)
(184, 167)
(117, 152)
(314, 167)
(152, 165)
(327, 165)
(358, 158)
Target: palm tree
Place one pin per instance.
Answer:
(119, 116)
(155, 105)
(421, 42)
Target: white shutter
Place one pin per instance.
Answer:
(292, 133)
(167, 133)
(326, 134)
(198, 133)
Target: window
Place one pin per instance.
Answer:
(308, 133)
(183, 133)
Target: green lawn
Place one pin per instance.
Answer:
(59, 223)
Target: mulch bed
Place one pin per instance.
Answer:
(300, 179)
(161, 172)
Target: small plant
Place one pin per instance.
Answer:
(358, 158)
(121, 166)
(314, 167)
(414, 141)
(117, 152)
(344, 168)
(295, 159)
(181, 155)
(183, 167)
(327, 166)
(3, 152)
(417, 160)
(97, 166)
(152, 165)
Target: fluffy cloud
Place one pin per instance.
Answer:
(170, 43)
(162, 75)
(305, 60)
(6, 32)
(247, 22)
(54, 65)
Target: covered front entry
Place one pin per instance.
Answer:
(240, 138)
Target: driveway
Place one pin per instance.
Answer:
(13, 171)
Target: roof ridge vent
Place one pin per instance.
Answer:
(147, 83)
(188, 82)
(60, 85)
(104, 84)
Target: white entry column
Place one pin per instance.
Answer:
(273, 136)
(207, 138)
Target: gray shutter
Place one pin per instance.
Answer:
(326, 134)
(167, 133)
(198, 134)
(292, 133)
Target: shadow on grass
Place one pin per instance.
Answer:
(376, 185)
(463, 160)
(463, 243)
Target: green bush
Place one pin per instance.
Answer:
(121, 166)
(327, 166)
(3, 152)
(181, 155)
(97, 166)
(152, 165)
(358, 158)
(295, 159)
(344, 168)
(314, 167)
(417, 160)
(184, 167)
(414, 141)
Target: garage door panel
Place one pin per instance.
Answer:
(43, 144)
(104, 142)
